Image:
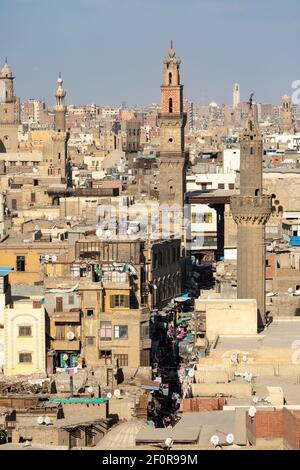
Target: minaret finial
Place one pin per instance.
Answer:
(171, 44)
(250, 102)
(6, 59)
(59, 74)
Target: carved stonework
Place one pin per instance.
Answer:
(251, 210)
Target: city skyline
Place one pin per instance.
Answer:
(85, 40)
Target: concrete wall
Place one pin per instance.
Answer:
(237, 390)
(229, 317)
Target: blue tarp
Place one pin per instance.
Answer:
(4, 270)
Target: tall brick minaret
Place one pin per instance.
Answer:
(173, 160)
(251, 210)
(9, 111)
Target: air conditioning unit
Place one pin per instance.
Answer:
(70, 335)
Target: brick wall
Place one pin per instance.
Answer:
(203, 404)
(291, 429)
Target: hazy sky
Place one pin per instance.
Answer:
(112, 50)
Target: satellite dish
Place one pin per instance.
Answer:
(40, 420)
(70, 335)
(108, 233)
(54, 258)
(47, 420)
(268, 399)
(117, 393)
(90, 389)
(47, 257)
(233, 358)
(255, 399)
(230, 438)
(109, 395)
(249, 377)
(169, 442)
(214, 440)
(290, 290)
(252, 411)
(245, 358)
(99, 232)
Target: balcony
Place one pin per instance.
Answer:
(70, 317)
(145, 343)
(66, 345)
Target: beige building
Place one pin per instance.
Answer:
(24, 333)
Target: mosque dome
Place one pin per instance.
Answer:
(122, 436)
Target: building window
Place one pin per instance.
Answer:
(221, 186)
(170, 78)
(32, 197)
(106, 356)
(170, 105)
(121, 331)
(194, 217)
(25, 331)
(207, 218)
(14, 204)
(60, 332)
(89, 312)
(71, 299)
(59, 304)
(144, 330)
(119, 300)
(90, 340)
(231, 186)
(25, 358)
(122, 359)
(105, 331)
(20, 263)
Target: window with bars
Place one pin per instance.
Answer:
(105, 331)
(144, 330)
(122, 359)
(25, 358)
(60, 332)
(25, 331)
(121, 331)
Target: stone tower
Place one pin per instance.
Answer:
(251, 210)
(286, 121)
(9, 112)
(172, 119)
(55, 148)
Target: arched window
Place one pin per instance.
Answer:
(170, 105)
(251, 150)
(257, 192)
(170, 78)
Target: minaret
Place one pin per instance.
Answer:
(55, 149)
(60, 108)
(172, 119)
(251, 210)
(286, 121)
(236, 98)
(9, 111)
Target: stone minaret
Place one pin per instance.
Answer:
(286, 120)
(251, 210)
(173, 160)
(55, 149)
(9, 112)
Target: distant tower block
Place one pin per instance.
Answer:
(251, 210)
(236, 97)
(172, 119)
(286, 121)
